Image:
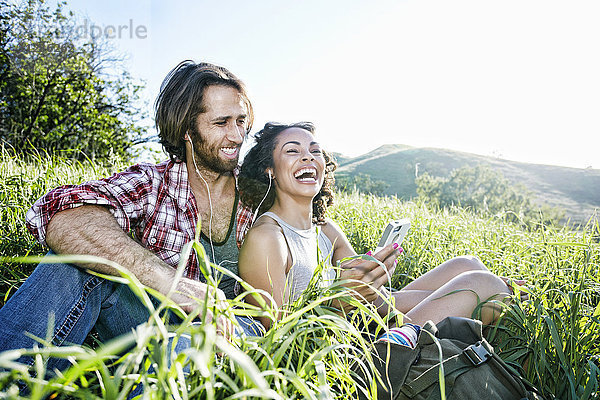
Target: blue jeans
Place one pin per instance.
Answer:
(78, 302)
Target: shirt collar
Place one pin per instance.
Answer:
(178, 187)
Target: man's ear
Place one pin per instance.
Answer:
(269, 172)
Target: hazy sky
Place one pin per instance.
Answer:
(516, 79)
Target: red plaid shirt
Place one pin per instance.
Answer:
(155, 202)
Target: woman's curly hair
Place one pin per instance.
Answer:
(253, 180)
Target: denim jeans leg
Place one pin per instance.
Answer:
(70, 296)
(121, 312)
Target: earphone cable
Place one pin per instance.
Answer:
(261, 202)
(212, 249)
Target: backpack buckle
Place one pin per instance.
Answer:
(477, 353)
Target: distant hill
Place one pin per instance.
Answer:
(577, 191)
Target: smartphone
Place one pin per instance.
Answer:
(394, 233)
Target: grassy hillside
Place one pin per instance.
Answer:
(553, 338)
(577, 191)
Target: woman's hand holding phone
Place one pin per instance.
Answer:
(366, 276)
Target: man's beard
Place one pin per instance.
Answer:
(208, 157)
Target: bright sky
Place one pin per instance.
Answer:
(517, 79)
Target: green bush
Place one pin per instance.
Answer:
(486, 191)
(62, 91)
(362, 183)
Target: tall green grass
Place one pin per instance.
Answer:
(552, 338)
(312, 353)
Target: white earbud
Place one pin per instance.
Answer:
(270, 176)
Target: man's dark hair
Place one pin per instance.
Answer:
(253, 180)
(181, 100)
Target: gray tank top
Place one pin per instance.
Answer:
(226, 255)
(307, 248)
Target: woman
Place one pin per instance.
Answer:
(288, 174)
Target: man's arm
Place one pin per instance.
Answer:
(92, 230)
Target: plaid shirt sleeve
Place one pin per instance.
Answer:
(244, 215)
(125, 194)
(244, 220)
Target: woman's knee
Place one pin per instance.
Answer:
(486, 284)
(471, 263)
(490, 289)
(462, 264)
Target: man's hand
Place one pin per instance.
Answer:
(190, 295)
(369, 274)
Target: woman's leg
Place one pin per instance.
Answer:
(459, 297)
(406, 300)
(443, 273)
(418, 290)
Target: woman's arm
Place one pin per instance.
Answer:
(341, 246)
(263, 263)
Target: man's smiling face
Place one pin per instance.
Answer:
(220, 129)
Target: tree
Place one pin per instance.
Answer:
(484, 190)
(57, 93)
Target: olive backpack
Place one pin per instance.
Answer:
(471, 368)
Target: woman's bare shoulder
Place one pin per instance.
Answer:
(263, 245)
(330, 228)
(266, 233)
(341, 246)
(265, 226)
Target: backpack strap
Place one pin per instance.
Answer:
(518, 381)
(470, 357)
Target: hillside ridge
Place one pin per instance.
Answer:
(575, 190)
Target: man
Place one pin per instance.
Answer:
(142, 218)
(202, 115)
